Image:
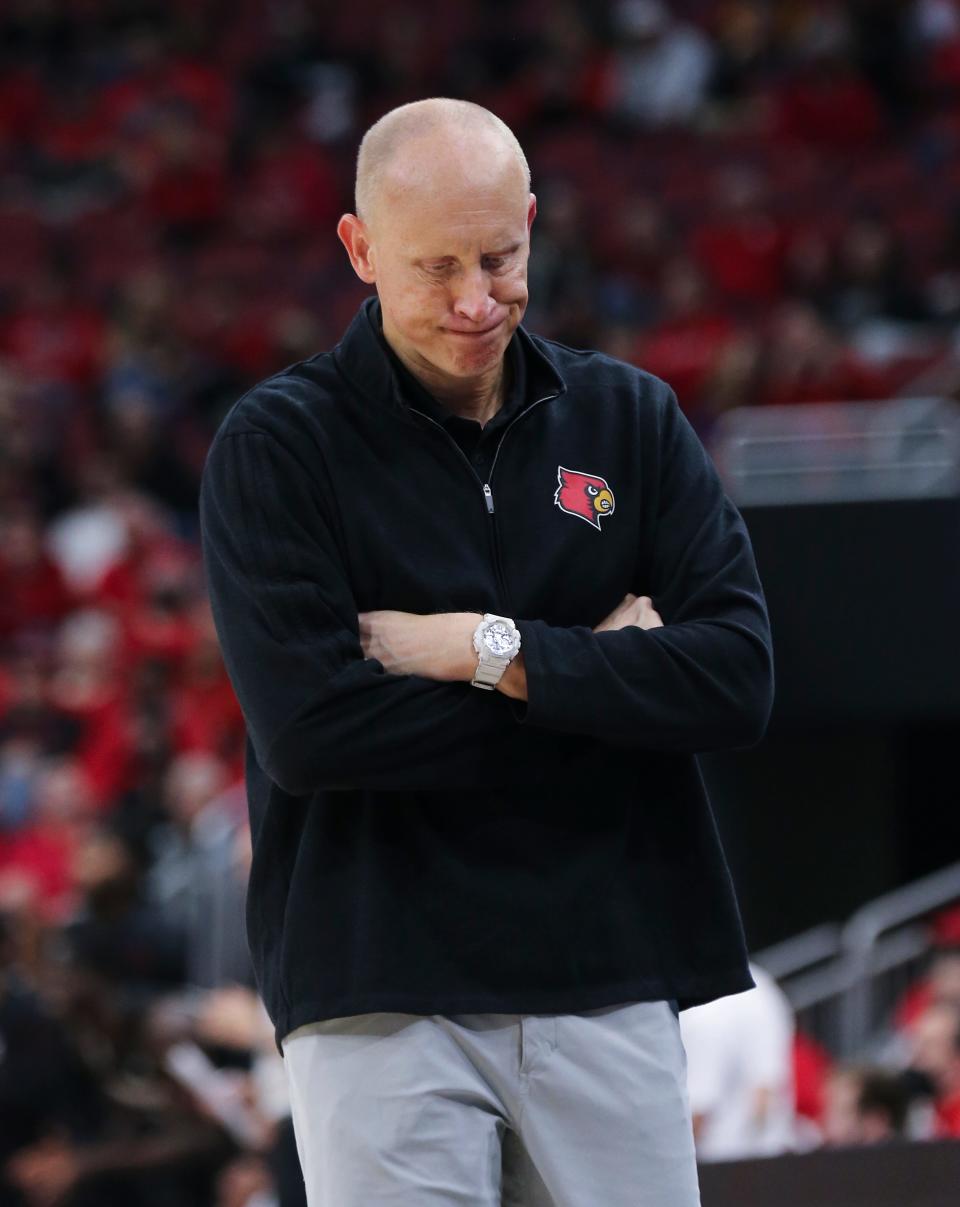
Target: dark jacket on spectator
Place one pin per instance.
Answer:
(428, 847)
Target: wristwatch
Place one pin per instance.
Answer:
(497, 642)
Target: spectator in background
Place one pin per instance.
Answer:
(632, 245)
(941, 982)
(39, 853)
(128, 944)
(826, 102)
(87, 539)
(53, 335)
(740, 1072)
(935, 26)
(688, 341)
(65, 1140)
(739, 244)
(808, 267)
(147, 354)
(870, 279)
(200, 866)
(864, 1105)
(204, 714)
(885, 53)
(743, 61)
(660, 68)
(233, 1020)
(935, 1057)
(33, 592)
(43, 1083)
(563, 276)
(802, 360)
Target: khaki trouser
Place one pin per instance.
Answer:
(494, 1110)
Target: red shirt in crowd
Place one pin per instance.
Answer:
(684, 350)
(743, 256)
(829, 109)
(32, 595)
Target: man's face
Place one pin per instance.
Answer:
(449, 256)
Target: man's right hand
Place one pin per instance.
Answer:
(632, 609)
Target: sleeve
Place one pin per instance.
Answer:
(704, 681)
(319, 714)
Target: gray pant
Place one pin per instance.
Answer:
(494, 1110)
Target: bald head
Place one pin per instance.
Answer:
(442, 229)
(436, 137)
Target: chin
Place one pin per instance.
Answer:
(479, 362)
(468, 361)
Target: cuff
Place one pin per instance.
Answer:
(530, 710)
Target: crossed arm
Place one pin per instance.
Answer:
(440, 646)
(334, 698)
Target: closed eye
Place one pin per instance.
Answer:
(495, 261)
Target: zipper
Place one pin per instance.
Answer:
(485, 486)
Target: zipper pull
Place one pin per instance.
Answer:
(488, 495)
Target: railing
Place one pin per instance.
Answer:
(898, 448)
(883, 944)
(843, 981)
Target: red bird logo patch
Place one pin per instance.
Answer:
(584, 495)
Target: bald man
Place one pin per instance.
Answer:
(482, 599)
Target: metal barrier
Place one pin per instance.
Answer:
(843, 982)
(801, 952)
(898, 448)
(881, 956)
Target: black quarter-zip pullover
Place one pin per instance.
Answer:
(429, 847)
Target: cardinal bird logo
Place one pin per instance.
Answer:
(584, 495)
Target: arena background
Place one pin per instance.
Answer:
(760, 203)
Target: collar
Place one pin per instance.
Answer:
(362, 357)
(415, 394)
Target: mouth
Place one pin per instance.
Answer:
(476, 334)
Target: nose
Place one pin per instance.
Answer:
(472, 300)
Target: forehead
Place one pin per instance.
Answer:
(450, 192)
(449, 231)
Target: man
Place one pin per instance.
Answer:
(482, 597)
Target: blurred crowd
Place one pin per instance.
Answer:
(759, 202)
(761, 1084)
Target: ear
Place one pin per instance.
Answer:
(353, 235)
(531, 211)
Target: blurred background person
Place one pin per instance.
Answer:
(740, 1072)
(864, 1106)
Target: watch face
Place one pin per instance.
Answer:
(498, 638)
